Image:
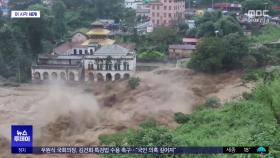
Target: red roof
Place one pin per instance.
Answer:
(227, 5)
(277, 8)
(190, 40)
(63, 48)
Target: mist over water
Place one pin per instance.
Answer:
(56, 101)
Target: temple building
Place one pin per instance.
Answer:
(52, 67)
(87, 57)
(111, 62)
(99, 35)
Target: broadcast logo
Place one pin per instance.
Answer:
(261, 150)
(258, 16)
(25, 14)
(21, 139)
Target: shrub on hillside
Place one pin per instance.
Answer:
(213, 102)
(182, 118)
(254, 75)
(249, 62)
(150, 56)
(209, 55)
(134, 82)
(247, 95)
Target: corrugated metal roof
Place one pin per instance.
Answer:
(112, 50)
(60, 57)
(182, 46)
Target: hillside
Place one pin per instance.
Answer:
(250, 122)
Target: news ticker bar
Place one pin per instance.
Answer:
(140, 150)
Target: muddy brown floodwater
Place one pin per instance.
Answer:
(76, 115)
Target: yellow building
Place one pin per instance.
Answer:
(99, 35)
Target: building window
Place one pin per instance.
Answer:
(91, 52)
(80, 52)
(86, 52)
(157, 7)
(165, 7)
(169, 15)
(164, 14)
(153, 14)
(117, 66)
(99, 66)
(157, 14)
(126, 66)
(108, 66)
(109, 63)
(75, 51)
(90, 66)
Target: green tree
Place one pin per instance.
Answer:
(59, 20)
(21, 5)
(262, 55)
(228, 25)
(14, 61)
(209, 55)
(215, 21)
(207, 29)
(38, 29)
(161, 37)
(150, 56)
(8, 52)
(236, 48)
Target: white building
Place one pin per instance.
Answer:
(133, 4)
(54, 67)
(111, 62)
(87, 57)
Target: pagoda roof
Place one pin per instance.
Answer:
(102, 42)
(98, 31)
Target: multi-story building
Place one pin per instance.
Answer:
(167, 12)
(4, 3)
(133, 4)
(111, 62)
(4, 7)
(90, 56)
(54, 67)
